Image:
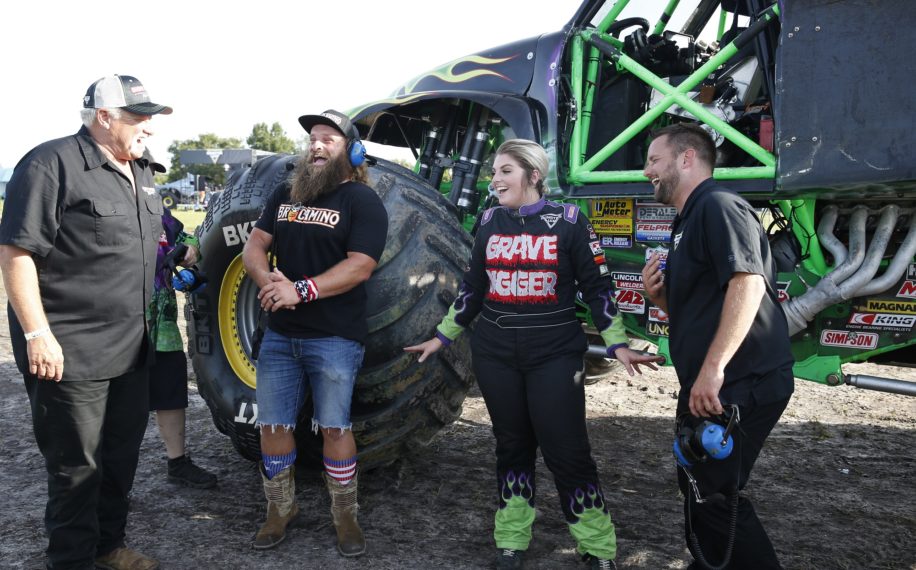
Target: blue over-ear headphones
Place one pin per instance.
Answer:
(356, 151)
(709, 439)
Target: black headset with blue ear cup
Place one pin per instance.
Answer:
(709, 439)
(356, 151)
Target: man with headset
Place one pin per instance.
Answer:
(728, 339)
(327, 230)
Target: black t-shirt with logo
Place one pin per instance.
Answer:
(717, 235)
(309, 240)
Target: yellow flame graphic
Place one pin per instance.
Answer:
(446, 72)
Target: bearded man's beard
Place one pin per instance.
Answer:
(311, 182)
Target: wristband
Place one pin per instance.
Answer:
(37, 333)
(307, 290)
(613, 347)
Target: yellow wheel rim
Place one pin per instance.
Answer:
(235, 321)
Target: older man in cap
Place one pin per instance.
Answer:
(78, 242)
(327, 229)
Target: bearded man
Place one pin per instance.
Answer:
(327, 229)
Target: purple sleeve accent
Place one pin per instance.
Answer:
(444, 339)
(613, 347)
(570, 212)
(487, 216)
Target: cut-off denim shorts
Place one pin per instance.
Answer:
(288, 367)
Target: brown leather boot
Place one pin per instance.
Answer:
(281, 508)
(350, 540)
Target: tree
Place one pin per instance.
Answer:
(272, 140)
(215, 172)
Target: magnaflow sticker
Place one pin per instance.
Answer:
(849, 339)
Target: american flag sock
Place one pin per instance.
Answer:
(273, 464)
(342, 470)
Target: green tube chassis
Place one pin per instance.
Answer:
(804, 102)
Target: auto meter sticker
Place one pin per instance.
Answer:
(612, 216)
(849, 339)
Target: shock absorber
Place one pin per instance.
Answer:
(462, 166)
(469, 200)
(432, 139)
(442, 158)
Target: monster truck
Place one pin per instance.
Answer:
(812, 127)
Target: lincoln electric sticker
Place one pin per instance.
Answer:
(613, 221)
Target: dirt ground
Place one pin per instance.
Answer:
(835, 487)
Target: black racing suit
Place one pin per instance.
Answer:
(528, 347)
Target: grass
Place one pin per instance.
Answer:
(190, 218)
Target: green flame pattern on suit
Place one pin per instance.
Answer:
(592, 528)
(516, 511)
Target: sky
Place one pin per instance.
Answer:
(224, 65)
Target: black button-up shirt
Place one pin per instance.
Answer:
(717, 235)
(94, 245)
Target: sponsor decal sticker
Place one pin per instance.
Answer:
(604, 270)
(596, 248)
(653, 231)
(662, 253)
(629, 281)
(911, 271)
(907, 290)
(657, 315)
(849, 339)
(657, 329)
(882, 321)
(655, 212)
(890, 306)
(617, 241)
(631, 302)
(782, 291)
(612, 217)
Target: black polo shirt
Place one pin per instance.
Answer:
(94, 245)
(717, 235)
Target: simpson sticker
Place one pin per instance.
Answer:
(631, 302)
(656, 314)
(882, 320)
(657, 329)
(617, 241)
(629, 281)
(655, 213)
(653, 231)
(907, 290)
(890, 306)
(849, 339)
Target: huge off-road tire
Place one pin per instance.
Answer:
(398, 404)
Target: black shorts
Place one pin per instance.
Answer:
(168, 382)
